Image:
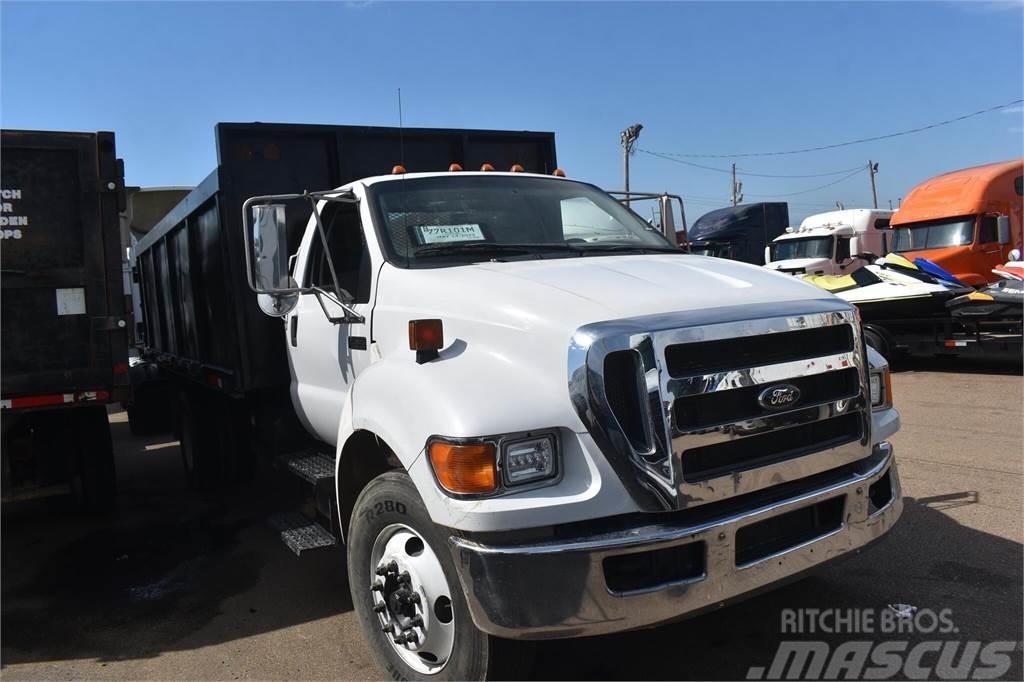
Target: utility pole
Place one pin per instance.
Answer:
(628, 137)
(737, 195)
(890, 204)
(872, 169)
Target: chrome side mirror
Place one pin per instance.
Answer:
(270, 260)
(1003, 229)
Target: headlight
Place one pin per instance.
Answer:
(529, 459)
(881, 388)
(493, 465)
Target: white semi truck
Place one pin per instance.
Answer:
(832, 243)
(519, 434)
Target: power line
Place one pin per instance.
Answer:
(852, 142)
(813, 189)
(739, 171)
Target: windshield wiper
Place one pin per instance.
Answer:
(488, 247)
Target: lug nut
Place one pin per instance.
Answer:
(414, 598)
(411, 638)
(404, 577)
(380, 607)
(377, 587)
(416, 621)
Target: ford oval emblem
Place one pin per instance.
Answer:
(779, 397)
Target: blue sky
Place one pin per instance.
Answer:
(721, 78)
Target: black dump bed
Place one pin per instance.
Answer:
(65, 327)
(740, 232)
(201, 320)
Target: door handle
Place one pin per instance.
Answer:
(294, 329)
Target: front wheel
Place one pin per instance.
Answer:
(406, 592)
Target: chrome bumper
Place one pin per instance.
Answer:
(558, 589)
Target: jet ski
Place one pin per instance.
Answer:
(1001, 300)
(894, 288)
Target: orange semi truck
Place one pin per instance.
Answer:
(966, 221)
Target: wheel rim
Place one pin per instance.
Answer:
(412, 599)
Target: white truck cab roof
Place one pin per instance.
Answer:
(438, 174)
(843, 223)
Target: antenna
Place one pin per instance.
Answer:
(401, 131)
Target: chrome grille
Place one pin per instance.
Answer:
(673, 400)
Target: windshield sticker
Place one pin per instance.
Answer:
(443, 234)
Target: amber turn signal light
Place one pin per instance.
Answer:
(516, 168)
(487, 167)
(398, 170)
(465, 469)
(454, 168)
(426, 335)
(559, 173)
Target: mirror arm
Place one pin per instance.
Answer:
(351, 316)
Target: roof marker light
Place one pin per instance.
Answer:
(454, 168)
(486, 167)
(558, 172)
(398, 170)
(516, 168)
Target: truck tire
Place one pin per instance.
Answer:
(389, 523)
(198, 457)
(878, 339)
(93, 474)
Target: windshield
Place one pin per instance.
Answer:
(473, 217)
(810, 247)
(934, 235)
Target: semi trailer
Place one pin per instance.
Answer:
(523, 411)
(64, 315)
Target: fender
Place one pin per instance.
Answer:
(404, 404)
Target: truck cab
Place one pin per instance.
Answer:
(550, 422)
(832, 243)
(966, 221)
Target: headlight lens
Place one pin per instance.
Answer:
(881, 388)
(528, 460)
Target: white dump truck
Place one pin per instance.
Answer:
(832, 243)
(526, 420)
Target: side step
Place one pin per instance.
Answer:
(308, 465)
(300, 533)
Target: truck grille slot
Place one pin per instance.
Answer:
(626, 396)
(741, 352)
(721, 459)
(723, 407)
(786, 531)
(650, 570)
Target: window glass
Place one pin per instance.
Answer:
(348, 251)
(434, 220)
(934, 235)
(988, 230)
(810, 247)
(842, 249)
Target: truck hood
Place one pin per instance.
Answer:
(806, 264)
(508, 326)
(560, 295)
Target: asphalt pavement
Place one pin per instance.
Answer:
(178, 585)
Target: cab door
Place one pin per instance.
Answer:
(325, 354)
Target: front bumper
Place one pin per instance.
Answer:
(560, 588)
